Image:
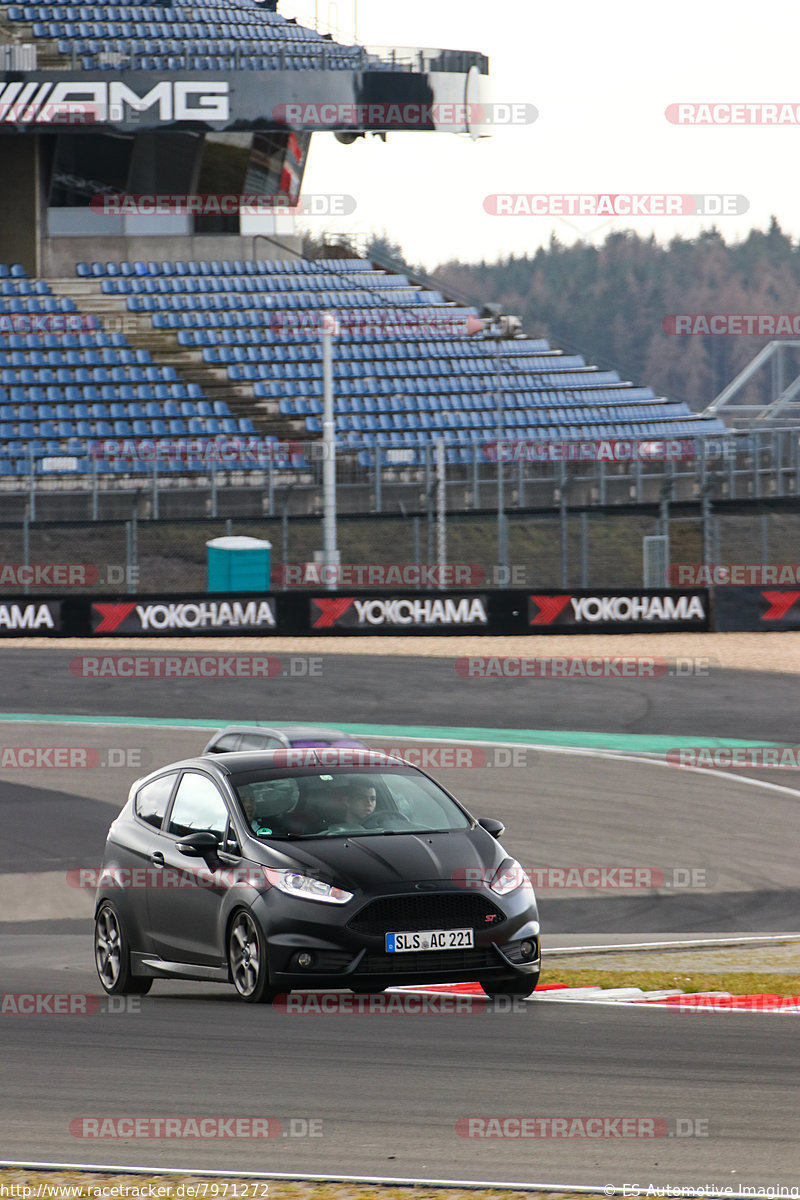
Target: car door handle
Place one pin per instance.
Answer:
(157, 859)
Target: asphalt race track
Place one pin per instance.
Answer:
(389, 1089)
(421, 691)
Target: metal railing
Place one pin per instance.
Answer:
(197, 477)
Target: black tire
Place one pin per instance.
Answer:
(112, 955)
(247, 960)
(522, 985)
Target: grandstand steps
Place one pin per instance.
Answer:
(47, 55)
(21, 33)
(166, 351)
(13, 31)
(88, 296)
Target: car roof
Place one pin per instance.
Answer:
(240, 762)
(288, 731)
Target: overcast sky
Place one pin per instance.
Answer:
(601, 77)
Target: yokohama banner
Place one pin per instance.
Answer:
(184, 615)
(760, 610)
(410, 613)
(493, 612)
(621, 611)
(20, 618)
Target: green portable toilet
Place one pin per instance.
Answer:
(238, 564)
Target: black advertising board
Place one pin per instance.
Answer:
(407, 612)
(759, 610)
(497, 613)
(27, 617)
(178, 616)
(622, 610)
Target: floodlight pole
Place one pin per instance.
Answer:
(502, 537)
(329, 328)
(441, 509)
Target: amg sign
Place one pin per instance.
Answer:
(82, 101)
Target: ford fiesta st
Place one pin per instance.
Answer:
(309, 868)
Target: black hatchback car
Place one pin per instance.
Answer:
(309, 868)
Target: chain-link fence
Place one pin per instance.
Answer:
(600, 548)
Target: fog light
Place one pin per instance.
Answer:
(305, 959)
(528, 950)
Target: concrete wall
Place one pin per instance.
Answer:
(20, 202)
(59, 255)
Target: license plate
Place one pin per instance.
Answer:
(430, 939)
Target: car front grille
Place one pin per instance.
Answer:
(436, 962)
(410, 914)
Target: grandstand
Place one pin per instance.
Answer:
(242, 331)
(169, 332)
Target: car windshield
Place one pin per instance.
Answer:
(345, 803)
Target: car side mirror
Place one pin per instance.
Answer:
(200, 845)
(495, 828)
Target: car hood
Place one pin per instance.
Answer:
(383, 862)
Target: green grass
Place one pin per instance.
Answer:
(740, 983)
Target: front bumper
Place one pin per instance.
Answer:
(341, 957)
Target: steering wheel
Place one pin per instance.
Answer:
(386, 820)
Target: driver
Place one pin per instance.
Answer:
(359, 804)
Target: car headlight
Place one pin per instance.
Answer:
(292, 883)
(508, 877)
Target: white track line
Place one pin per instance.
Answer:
(757, 940)
(602, 1189)
(650, 757)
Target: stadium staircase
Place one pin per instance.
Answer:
(166, 351)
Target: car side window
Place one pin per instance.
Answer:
(152, 800)
(198, 807)
(258, 741)
(230, 741)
